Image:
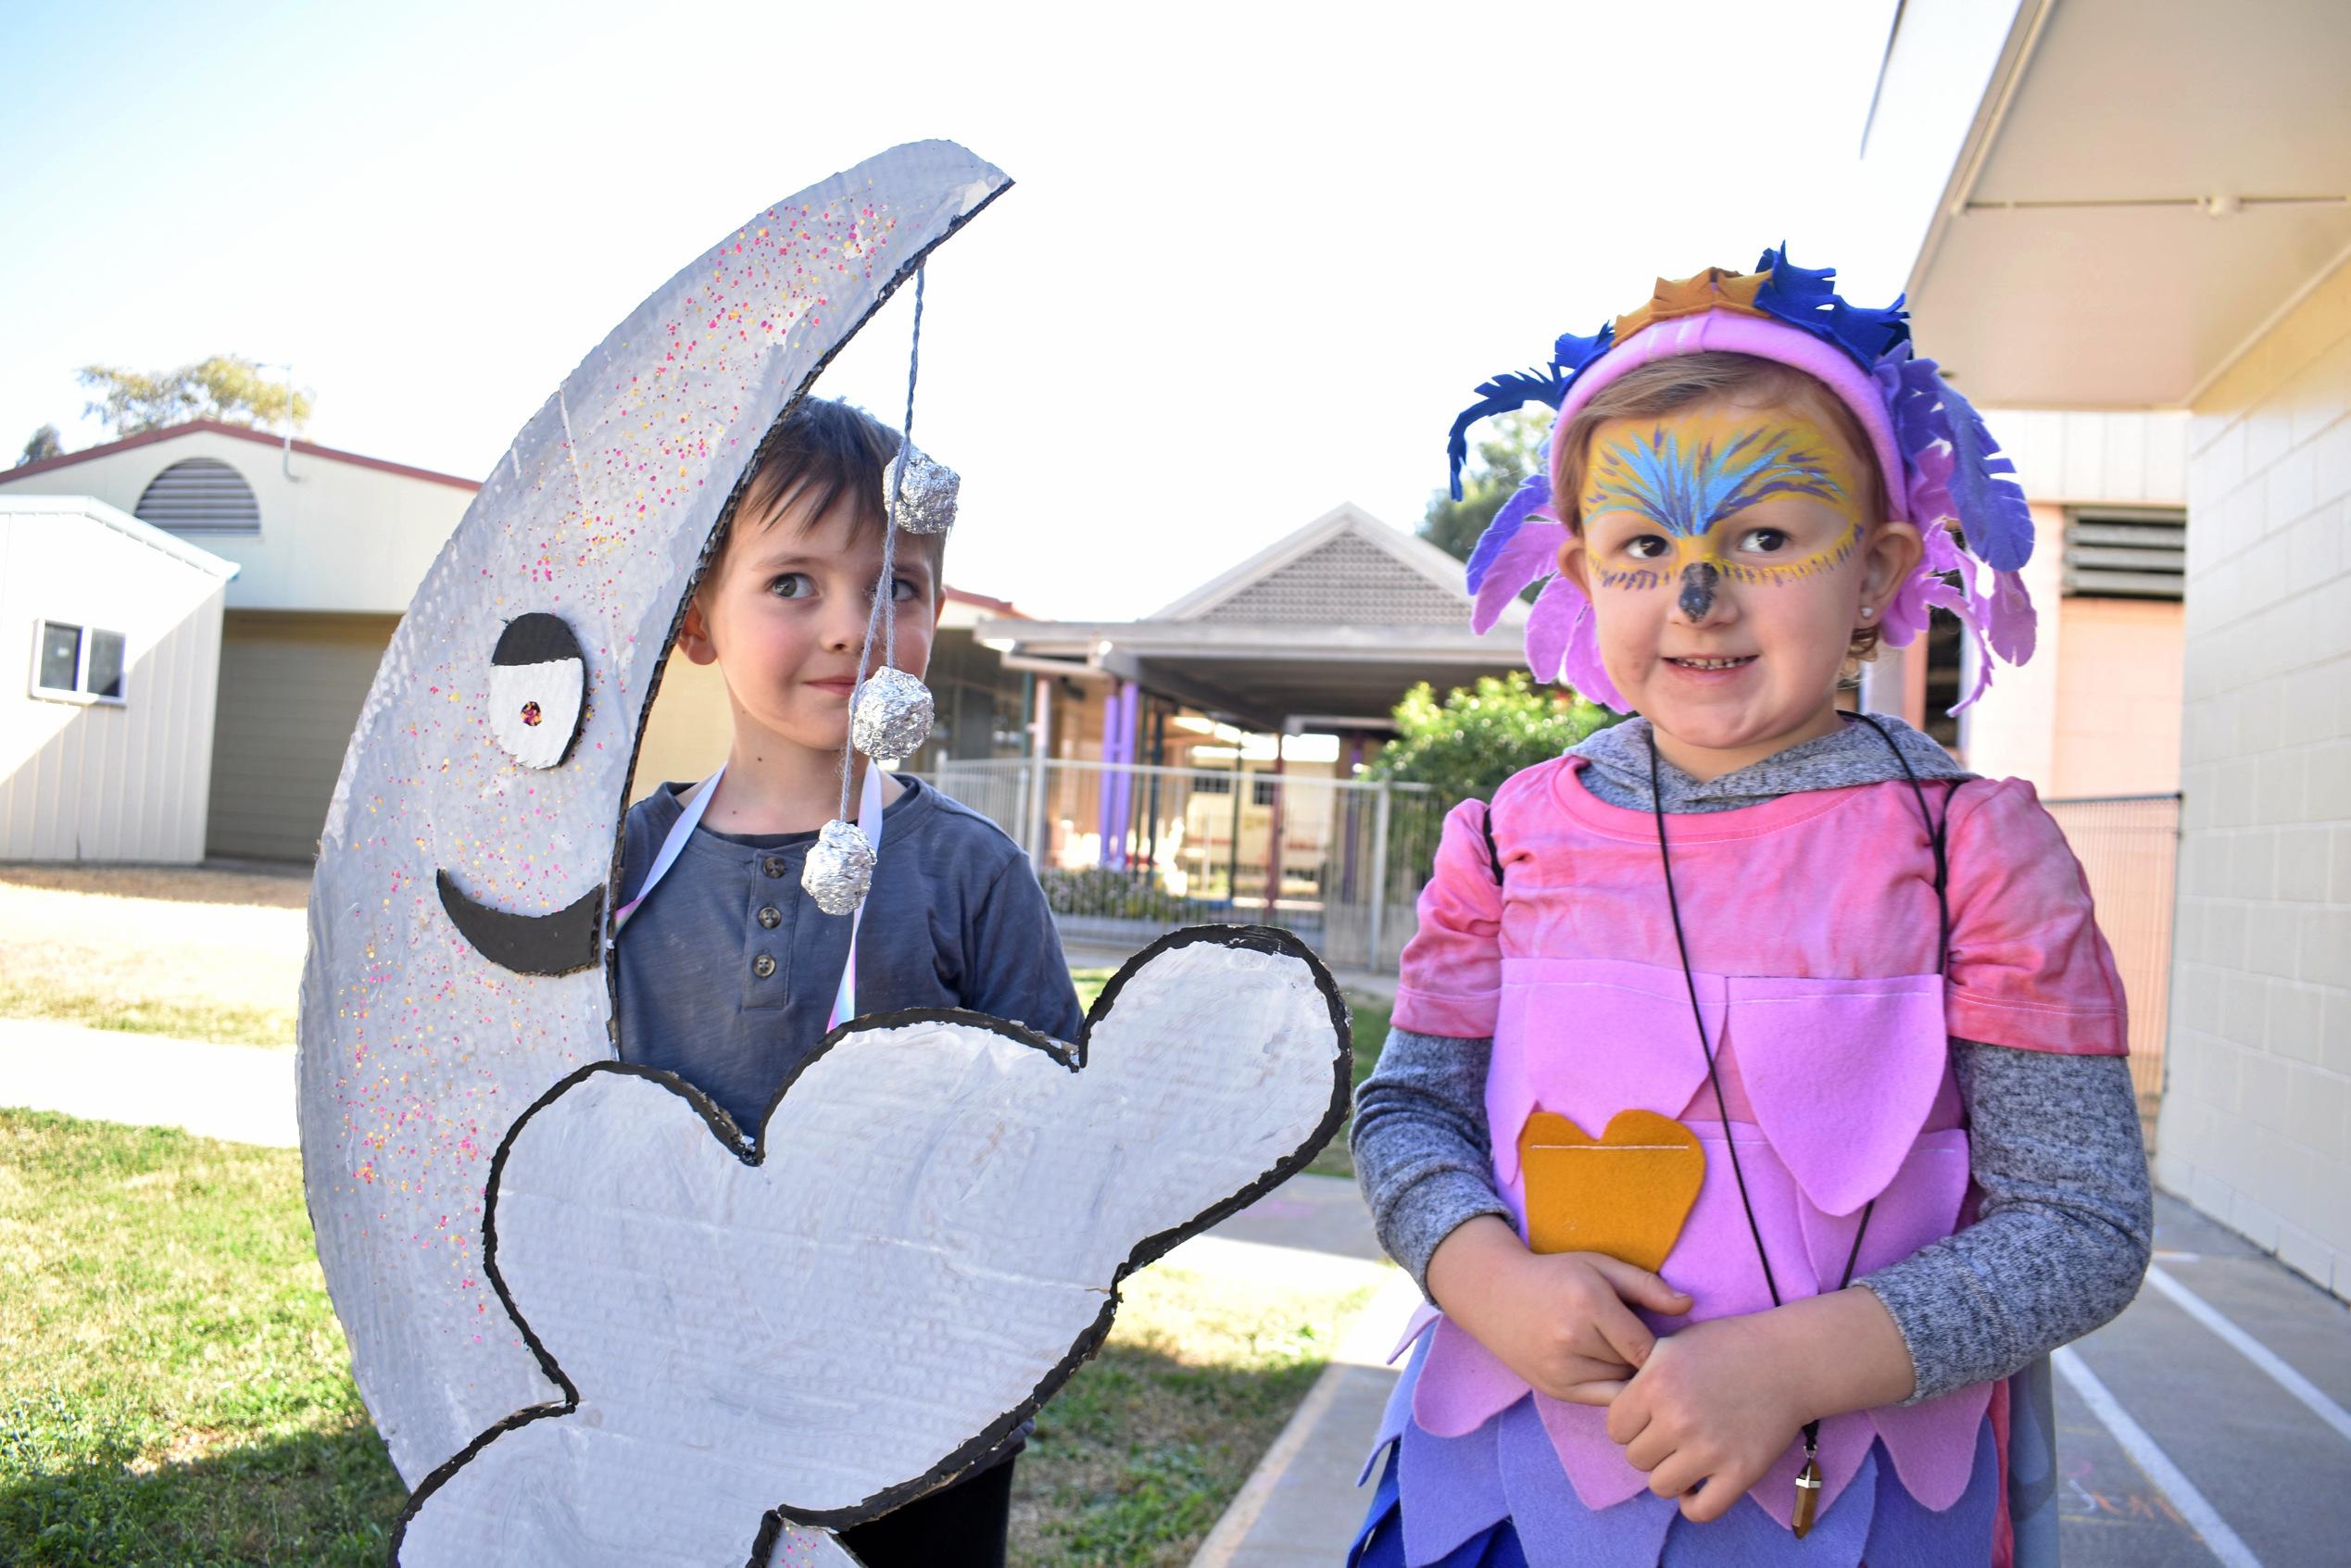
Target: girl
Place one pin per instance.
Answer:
(1755, 1115)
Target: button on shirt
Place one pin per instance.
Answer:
(729, 970)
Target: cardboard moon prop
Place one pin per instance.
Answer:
(593, 1324)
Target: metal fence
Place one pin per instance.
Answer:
(2129, 846)
(1128, 851)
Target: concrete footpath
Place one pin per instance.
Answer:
(242, 1093)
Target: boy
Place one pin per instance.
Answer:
(728, 974)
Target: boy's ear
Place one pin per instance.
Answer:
(694, 632)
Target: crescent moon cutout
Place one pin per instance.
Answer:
(432, 1015)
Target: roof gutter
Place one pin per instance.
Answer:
(2024, 38)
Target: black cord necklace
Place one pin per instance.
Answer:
(1808, 1478)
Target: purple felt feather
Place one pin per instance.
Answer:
(1532, 555)
(1905, 1534)
(1913, 390)
(1451, 1489)
(2009, 621)
(1555, 1530)
(1531, 494)
(1563, 643)
(1992, 508)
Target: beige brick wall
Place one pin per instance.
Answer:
(2256, 1118)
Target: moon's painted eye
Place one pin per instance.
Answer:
(538, 689)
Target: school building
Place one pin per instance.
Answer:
(2140, 204)
(327, 547)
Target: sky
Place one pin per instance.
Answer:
(1255, 259)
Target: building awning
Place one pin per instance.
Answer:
(2144, 186)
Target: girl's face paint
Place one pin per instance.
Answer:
(1685, 487)
(1728, 552)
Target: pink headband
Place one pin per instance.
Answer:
(1728, 332)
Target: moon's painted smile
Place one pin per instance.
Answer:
(560, 943)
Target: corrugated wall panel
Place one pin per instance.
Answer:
(290, 691)
(101, 782)
(200, 707)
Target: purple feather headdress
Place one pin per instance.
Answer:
(1940, 462)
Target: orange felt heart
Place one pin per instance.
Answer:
(1626, 1193)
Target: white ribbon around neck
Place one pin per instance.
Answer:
(868, 822)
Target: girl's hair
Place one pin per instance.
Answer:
(831, 452)
(1667, 386)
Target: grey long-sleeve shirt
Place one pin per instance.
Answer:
(2061, 1237)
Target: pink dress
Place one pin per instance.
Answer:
(1812, 928)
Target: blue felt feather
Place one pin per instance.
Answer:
(1534, 492)
(1512, 390)
(1516, 389)
(1913, 399)
(1570, 354)
(1805, 298)
(1992, 508)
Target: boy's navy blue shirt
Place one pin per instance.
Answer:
(728, 970)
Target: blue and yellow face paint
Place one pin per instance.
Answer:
(1692, 478)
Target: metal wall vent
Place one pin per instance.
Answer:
(2137, 554)
(200, 496)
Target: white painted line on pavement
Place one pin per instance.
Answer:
(2203, 1518)
(2252, 1349)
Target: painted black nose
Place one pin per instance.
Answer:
(1697, 581)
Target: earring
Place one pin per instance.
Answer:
(1869, 612)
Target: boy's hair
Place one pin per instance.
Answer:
(830, 452)
(1667, 386)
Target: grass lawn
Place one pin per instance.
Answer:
(174, 1389)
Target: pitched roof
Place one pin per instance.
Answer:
(122, 522)
(240, 433)
(1345, 568)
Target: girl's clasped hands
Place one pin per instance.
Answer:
(1706, 1410)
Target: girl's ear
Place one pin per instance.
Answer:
(694, 632)
(1575, 562)
(1889, 555)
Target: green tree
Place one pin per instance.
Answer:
(227, 386)
(45, 443)
(1496, 467)
(1477, 737)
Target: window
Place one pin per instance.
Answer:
(1268, 790)
(200, 496)
(77, 663)
(1211, 783)
(2130, 553)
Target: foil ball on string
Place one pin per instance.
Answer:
(892, 717)
(839, 871)
(925, 495)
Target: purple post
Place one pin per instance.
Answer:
(1118, 787)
